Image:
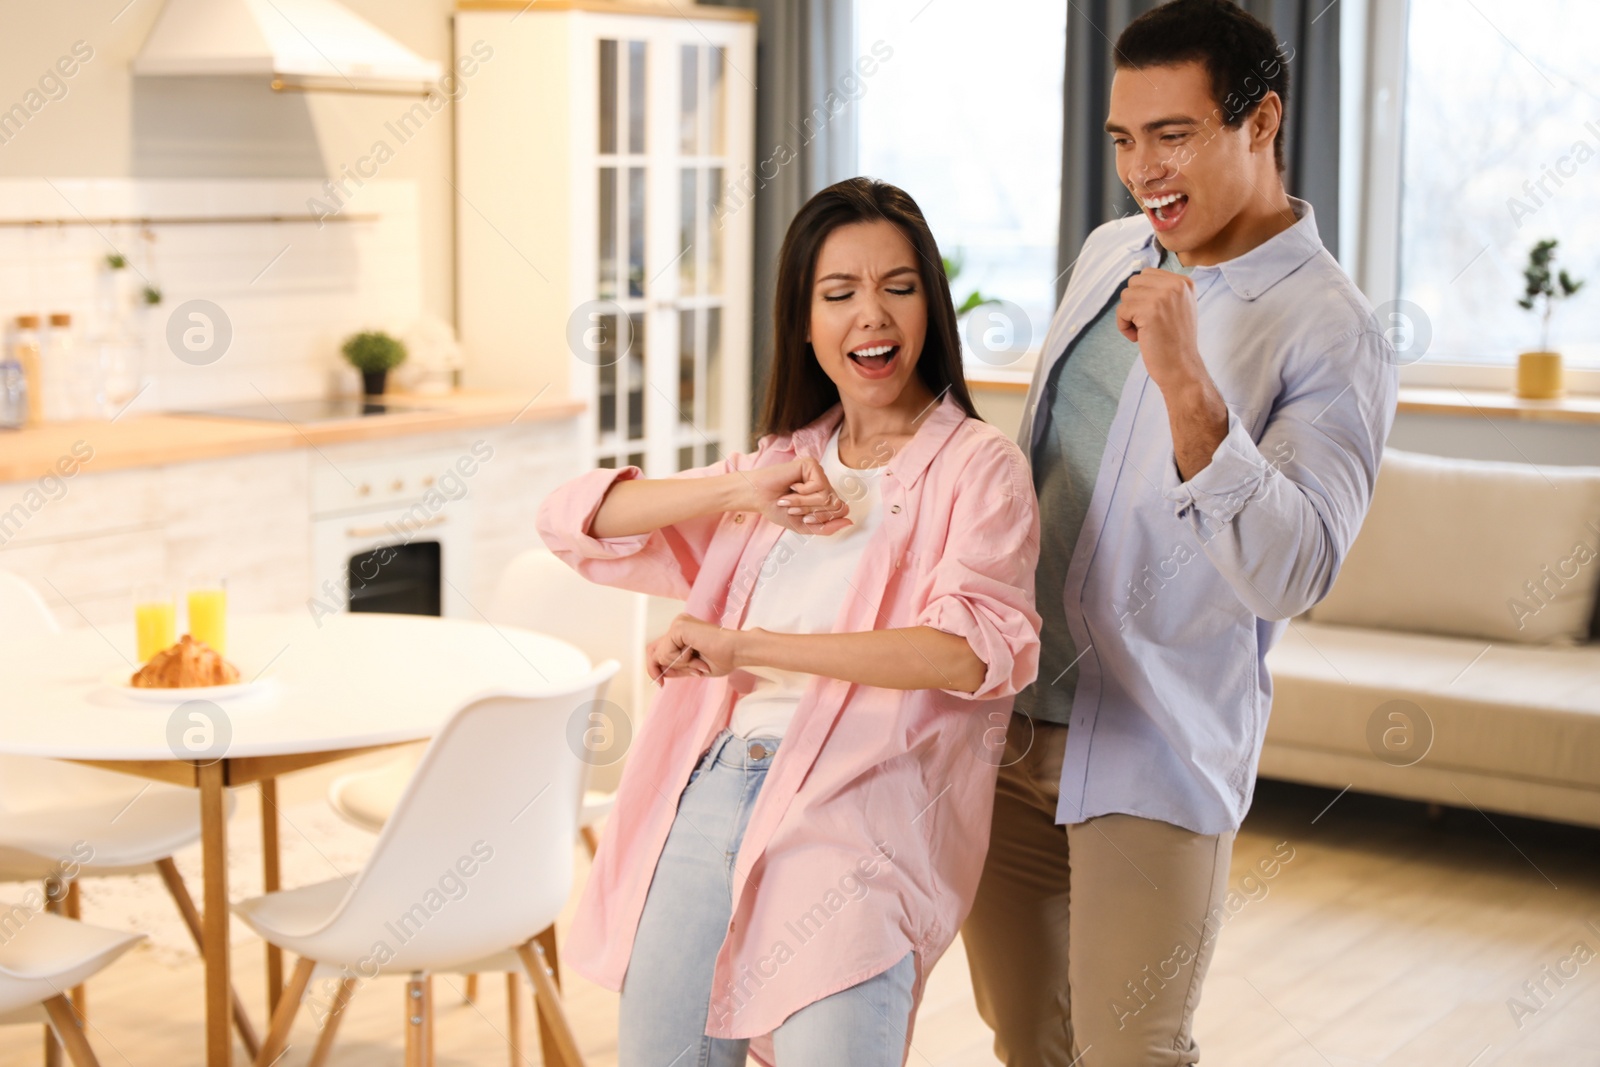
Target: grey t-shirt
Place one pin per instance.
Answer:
(1081, 397)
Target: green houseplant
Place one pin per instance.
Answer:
(1539, 372)
(952, 269)
(373, 353)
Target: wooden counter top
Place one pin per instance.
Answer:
(151, 440)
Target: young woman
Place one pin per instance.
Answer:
(805, 811)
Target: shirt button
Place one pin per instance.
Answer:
(894, 509)
(739, 517)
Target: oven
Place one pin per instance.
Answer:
(392, 535)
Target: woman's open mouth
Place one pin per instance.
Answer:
(874, 360)
(1167, 210)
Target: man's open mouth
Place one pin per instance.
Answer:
(874, 360)
(1167, 209)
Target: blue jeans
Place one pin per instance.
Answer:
(666, 994)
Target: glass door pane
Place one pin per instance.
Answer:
(689, 101)
(636, 97)
(608, 97)
(688, 229)
(606, 283)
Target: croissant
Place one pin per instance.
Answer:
(187, 664)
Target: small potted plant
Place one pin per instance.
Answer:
(1539, 373)
(373, 353)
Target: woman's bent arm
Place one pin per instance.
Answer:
(912, 657)
(644, 505)
(916, 657)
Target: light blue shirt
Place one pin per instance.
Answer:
(1176, 590)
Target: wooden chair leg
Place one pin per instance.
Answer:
(419, 1021)
(55, 894)
(548, 1049)
(191, 918)
(590, 838)
(73, 909)
(549, 1002)
(472, 989)
(330, 1025)
(65, 1024)
(514, 1016)
(283, 1019)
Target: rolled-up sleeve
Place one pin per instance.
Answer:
(1276, 517)
(663, 563)
(982, 586)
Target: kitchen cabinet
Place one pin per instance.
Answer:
(604, 165)
(251, 517)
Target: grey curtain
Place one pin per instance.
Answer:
(804, 50)
(1090, 192)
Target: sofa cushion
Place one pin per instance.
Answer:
(1518, 711)
(1475, 548)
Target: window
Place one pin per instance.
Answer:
(1500, 147)
(966, 117)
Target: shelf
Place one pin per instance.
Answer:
(1499, 404)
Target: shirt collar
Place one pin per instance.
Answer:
(906, 465)
(1268, 263)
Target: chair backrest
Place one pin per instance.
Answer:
(23, 612)
(539, 592)
(27, 782)
(477, 856)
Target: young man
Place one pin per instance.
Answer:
(1205, 427)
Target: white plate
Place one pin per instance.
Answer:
(119, 682)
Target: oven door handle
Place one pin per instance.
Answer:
(364, 532)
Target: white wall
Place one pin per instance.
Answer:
(103, 124)
(282, 295)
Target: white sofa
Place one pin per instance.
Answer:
(1457, 658)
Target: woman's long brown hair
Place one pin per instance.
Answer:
(798, 389)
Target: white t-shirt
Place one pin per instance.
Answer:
(804, 581)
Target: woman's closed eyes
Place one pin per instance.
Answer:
(837, 297)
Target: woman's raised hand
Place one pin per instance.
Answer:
(798, 496)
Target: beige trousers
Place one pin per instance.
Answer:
(1088, 943)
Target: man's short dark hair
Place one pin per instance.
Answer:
(1237, 50)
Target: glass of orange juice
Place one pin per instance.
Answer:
(208, 613)
(155, 616)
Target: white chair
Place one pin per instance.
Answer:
(62, 821)
(537, 592)
(472, 866)
(42, 954)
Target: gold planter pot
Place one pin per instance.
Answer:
(1539, 376)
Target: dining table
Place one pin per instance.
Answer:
(313, 688)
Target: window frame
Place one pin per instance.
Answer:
(1372, 96)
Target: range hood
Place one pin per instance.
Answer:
(307, 45)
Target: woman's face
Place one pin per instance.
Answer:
(869, 313)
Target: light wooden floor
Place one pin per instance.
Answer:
(1387, 939)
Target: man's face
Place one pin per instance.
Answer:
(1192, 176)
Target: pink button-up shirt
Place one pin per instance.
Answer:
(869, 835)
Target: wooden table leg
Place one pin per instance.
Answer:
(214, 850)
(549, 1047)
(270, 884)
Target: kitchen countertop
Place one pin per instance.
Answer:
(152, 440)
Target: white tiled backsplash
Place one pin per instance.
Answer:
(291, 290)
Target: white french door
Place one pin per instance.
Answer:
(671, 376)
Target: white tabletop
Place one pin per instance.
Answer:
(348, 681)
